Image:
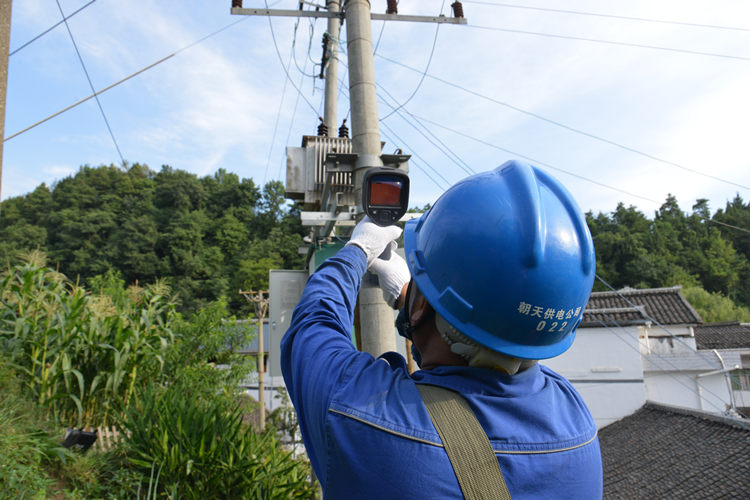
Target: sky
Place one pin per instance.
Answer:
(622, 101)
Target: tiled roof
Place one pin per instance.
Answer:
(734, 335)
(667, 452)
(665, 306)
(682, 361)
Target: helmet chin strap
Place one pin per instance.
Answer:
(476, 355)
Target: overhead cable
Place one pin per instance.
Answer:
(413, 163)
(611, 16)
(669, 373)
(403, 144)
(443, 148)
(568, 127)
(536, 161)
(648, 317)
(291, 125)
(123, 80)
(610, 42)
(65, 18)
(91, 85)
(426, 68)
(278, 53)
(276, 123)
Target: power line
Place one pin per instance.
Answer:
(404, 144)
(276, 124)
(291, 125)
(727, 225)
(648, 317)
(278, 53)
(123, 80)
(426, 68)
(568, 127)
(51, 28)
(443, 148)
(611, 16)
(664, 370)
(536, 161)
(610, 42)
(413, 163)
(91, 85)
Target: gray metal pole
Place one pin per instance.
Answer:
(375, 316)
(332, 71)
(5, 9)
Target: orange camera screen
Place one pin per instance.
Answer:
(385, 193)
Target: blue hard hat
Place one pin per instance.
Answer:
(507, 259)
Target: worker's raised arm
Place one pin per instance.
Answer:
(317, 352)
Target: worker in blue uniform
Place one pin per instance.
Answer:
(496, 277)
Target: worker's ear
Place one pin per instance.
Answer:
(419, 309)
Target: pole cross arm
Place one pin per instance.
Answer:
(242, 11)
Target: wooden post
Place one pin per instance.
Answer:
(260, 304)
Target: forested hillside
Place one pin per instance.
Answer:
(708, 255)
(210, 236)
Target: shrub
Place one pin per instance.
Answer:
(205, 450)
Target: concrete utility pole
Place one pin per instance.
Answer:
(5, 8)
(332, 71)
(260, 303)
(375, 316)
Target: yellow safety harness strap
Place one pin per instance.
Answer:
(466, 443)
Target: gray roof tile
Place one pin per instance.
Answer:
(733, 335)
(667, 452)
(665, 306)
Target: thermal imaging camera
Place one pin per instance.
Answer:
(385, 195)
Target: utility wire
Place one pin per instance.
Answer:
(125, 79)
(728, 225)
(672, 335)
(404, 144)
(568, 127)
(443, 148)
(665, 371)
(91, 85)
(426, 68)
(544, 164)
(398, 140)
(51, 28)
(536, 161)
(276, 46)
(291, 124)
(276, 124)
(395, 140)
(654, 321)
(610, 42)
(611, 16)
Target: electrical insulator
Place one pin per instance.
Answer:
(458, 9)
(344, 130)
(392, 7)
(322, 128)
(325, 56)
(237, 3)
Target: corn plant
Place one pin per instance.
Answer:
(82, 355)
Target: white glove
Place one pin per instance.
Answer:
(393, 274)
(373, 239)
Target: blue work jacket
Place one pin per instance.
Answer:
(368, 433)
